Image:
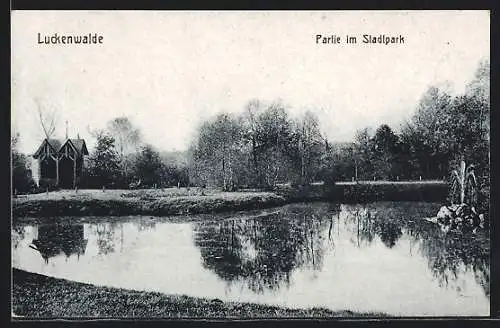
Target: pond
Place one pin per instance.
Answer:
(377, 257)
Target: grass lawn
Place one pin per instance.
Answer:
(183, 201)
(110, 194)
(161, 202)
(387, 182)
(38, 296)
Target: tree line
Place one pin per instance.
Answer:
(264, 146)
(444, 130)
(121, 159)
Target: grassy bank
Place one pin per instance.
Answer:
(44, 297)
(366, 191)
(181, 201)
(155, 202)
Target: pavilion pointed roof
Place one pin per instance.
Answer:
(55, 145)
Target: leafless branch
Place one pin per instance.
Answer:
(47, 120)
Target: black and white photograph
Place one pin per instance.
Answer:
(250, 164)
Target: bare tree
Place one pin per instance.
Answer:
(47, 119)
(95, 133)
(310, 145)
(127, 139)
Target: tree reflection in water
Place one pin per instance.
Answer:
(110, 235)
(17, 234)
(366, 222)
(145, 223)
(389, 233)
(449, 255)
(263, 251)
(56, 239)
(360, 223)
(453, 254)
(106, 233)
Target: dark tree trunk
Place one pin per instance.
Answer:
(224, 170)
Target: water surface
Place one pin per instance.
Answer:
(380, 257)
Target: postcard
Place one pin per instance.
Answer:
(250, 164)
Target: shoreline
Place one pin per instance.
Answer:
(182, 201)
(142, 202)
(41, 297)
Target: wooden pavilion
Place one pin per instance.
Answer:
(59, 162)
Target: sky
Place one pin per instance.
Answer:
(169, 70)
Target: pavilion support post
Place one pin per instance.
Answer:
(74, 172)
(57, 172)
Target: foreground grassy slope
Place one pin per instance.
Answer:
(34, 295)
